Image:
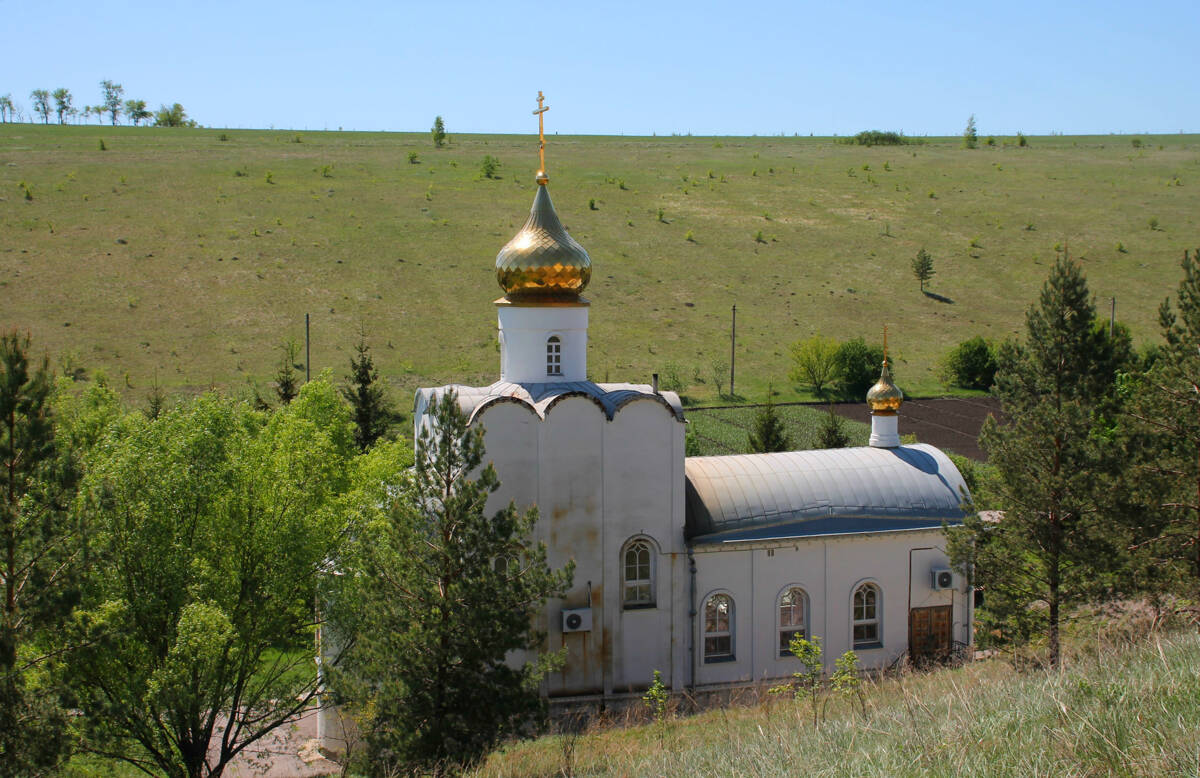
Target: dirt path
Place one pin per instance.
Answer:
(288, 752)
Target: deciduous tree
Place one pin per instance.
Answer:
(136, 111)
(41, 104)
(857, 368)
(970, 135)
(175, 116)
(112, 99)
(8, 110)
(451, 591)
(62, 103)
(814, 363)
(439, 132)
(212, 524)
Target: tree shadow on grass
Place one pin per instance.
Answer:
(938, 297)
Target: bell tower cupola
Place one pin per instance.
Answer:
(542, 316)
(884, 399)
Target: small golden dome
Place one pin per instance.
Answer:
(542, 260)
(884, 397)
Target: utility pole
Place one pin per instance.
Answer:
(307, 353)
(732, 350)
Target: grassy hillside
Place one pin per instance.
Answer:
(193, 254)
(1130, 711)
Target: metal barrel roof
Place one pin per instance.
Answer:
(823, 492)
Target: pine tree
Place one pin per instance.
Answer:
(438, 132)
(373, 413)
(1052, 456)
(1165, 406)
(922, 267)
(35, 559)
(768, 434)
(450, 589)
(287, 385)
(832, 433)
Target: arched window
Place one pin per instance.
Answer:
(553, 356)
(638, 574)
(718, 628)
(793, 617)
(867, 602)
(505, 564)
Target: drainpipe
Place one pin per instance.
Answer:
(691, 620)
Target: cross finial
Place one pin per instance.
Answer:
(541, 109)
(885, 344)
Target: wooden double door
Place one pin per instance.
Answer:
(929, 633)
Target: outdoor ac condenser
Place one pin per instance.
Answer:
(577, 620)
(941, 578)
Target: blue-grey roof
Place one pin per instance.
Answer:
(825, 492)
(541, 397)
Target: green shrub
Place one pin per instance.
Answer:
(412, 158)
(592, 204)
(489, 166)
(1021, 141)
(858, 368)
(970, 365)
(878, 138)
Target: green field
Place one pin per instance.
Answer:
(726, 430)
(176, 254)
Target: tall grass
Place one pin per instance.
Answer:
(1125, 709)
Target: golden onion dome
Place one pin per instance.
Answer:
(884, 397)
(542, 261)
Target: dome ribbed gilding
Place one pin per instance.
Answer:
(542, 260)
(885, 397)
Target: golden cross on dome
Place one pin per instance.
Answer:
(541, 109)
(885, 344)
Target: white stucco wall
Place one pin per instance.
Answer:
(829, 569)
(524, 330)
(597, 484)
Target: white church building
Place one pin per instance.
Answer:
(700, 567)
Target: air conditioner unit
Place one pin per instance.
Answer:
(577, 620)
(941, 578)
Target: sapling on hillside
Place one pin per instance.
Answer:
(656, 698)
(806, 681)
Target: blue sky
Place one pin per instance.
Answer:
(626, 68)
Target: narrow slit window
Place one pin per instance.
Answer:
(553, 356)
